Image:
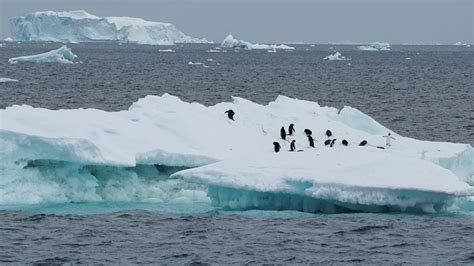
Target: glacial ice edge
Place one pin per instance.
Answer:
(163, 149)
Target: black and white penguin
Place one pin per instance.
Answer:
(327, 142)
(332, 142)
(276, 146)
(230, 114)
(291, 129)
(308, 132)
(328, 133)
(311, 141)
(344, 142)
(283, 133)
(363, 143)
(292, 146)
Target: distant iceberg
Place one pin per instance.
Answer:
(61, 55)
(157, 150)
(231, 42)
(3, 80)
(79, 26)
(375, 46)
(166, 51)
(335, 57)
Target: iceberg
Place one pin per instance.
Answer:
(375, 46)
(335, 57)
(166, 51)
(2, 80)
(80, 26)
(61, 55)
(164, 149)
(231, 42)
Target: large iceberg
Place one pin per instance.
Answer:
(80, 26)
(375, 46)
(61, 55)
(231, 42)
(165, 149)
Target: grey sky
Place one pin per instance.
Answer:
(319, 21)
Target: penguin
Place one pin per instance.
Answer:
(276, 146)
(291, 129)
(311, 141)
(332, 143)
(292, 145)
(363, 143)
(328, 133)
(230, 114)
(327, 142)
(344, 142)
(283, 133)
(308, 132)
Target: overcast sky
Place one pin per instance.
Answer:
(318, 21)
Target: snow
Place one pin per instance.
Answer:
(336, 56)
(98, 155)
(231, 42)
(375, 46)
(61, 55)
(2, 80)
(80, 26)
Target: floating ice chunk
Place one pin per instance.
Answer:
(7, 80)
(196, 63)
(238, 156)
(8, 39)
(231, 42)
(335, 57)
(272, 50)
(408, 58)
(375, 46)
(213, 51)
(60, 55)
(80, 26)
(166, 51)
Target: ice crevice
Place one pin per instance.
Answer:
(164, 149)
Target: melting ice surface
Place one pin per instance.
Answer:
(60, 55)
(231, 42)
(375, 46)
(80, 26)
(165, 150)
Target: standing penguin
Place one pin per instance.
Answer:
(311, 141)
(230, 114)
(344, 142)
(276, 146)
(291, 129)
(292, 145)
(283, 133)
(308, 132)
(328, 133)
(332, 143)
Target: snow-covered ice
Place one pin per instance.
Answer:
(375, 46)
(61, 55)
(166, 51)
(336, 56)
(233, 161)
(231, 42)
(2, 80)
(79, 26)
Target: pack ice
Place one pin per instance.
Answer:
(231, 42)
(61, 55)
(165, 149)
(80, 26)
(375, 46)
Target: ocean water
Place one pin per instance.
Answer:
(428, 96)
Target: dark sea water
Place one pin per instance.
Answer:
(429, 96)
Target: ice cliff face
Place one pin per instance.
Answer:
(375, 46)
(80, 26)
